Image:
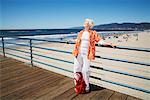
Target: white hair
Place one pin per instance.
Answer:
(90, 21)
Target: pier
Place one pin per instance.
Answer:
(41, 69)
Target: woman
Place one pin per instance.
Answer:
(84, 52)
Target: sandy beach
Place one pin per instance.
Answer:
(133, 39)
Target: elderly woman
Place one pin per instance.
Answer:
(84, 52)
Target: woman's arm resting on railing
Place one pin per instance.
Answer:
(102, 42)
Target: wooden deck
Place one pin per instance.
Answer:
(19, 81)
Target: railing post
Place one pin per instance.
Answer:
(31, 56)
(3, 46)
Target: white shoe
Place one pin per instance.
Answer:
(87, 89)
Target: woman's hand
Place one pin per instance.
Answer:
(106, 44)
(112, 45)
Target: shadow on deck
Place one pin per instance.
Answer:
(19, 81)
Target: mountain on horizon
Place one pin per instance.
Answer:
(120, 26)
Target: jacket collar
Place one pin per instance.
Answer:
(90, 31)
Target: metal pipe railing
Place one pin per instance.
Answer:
(117, 47)
(31, 56)
(3, 46)
(31, 46)
(68, 52)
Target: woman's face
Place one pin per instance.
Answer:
(86, 25)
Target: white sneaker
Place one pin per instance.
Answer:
(87, 89)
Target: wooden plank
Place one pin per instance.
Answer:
(11, 81)
(103, 94)
(121, 89)
(57, 90)
(22, 71)
(3, 58)
(27, 92)
(89, 96)
(118, 96)
(69, 94)
(22, 83)
(132, 98)
(13, 68)
(50, 88)
(8, 63)
(7, 67)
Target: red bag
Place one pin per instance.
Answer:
(79, 83)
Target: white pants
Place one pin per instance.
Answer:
(82, 64)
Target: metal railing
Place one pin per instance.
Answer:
(31, 46)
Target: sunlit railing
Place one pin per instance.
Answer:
(141, 89)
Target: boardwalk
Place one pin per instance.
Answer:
(19, 81)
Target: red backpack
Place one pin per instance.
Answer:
(79, 83)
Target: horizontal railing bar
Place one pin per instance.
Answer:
(52, 49)
(119, 72)
(17, 56)
(120, 84)
(18, 50)
(43, 40)
(98, 68)
(52, 66)
(123, 60)
(17, 44)
(38, 39)
(134, 48)
(114, 71)
(52, 58)
(127, 55)
(127, 48)
(117, 47)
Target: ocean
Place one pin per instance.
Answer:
(49, 34)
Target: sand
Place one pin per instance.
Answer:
(140, 39)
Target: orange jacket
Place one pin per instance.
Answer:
(93, 38)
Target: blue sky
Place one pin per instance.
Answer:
(43, 14)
